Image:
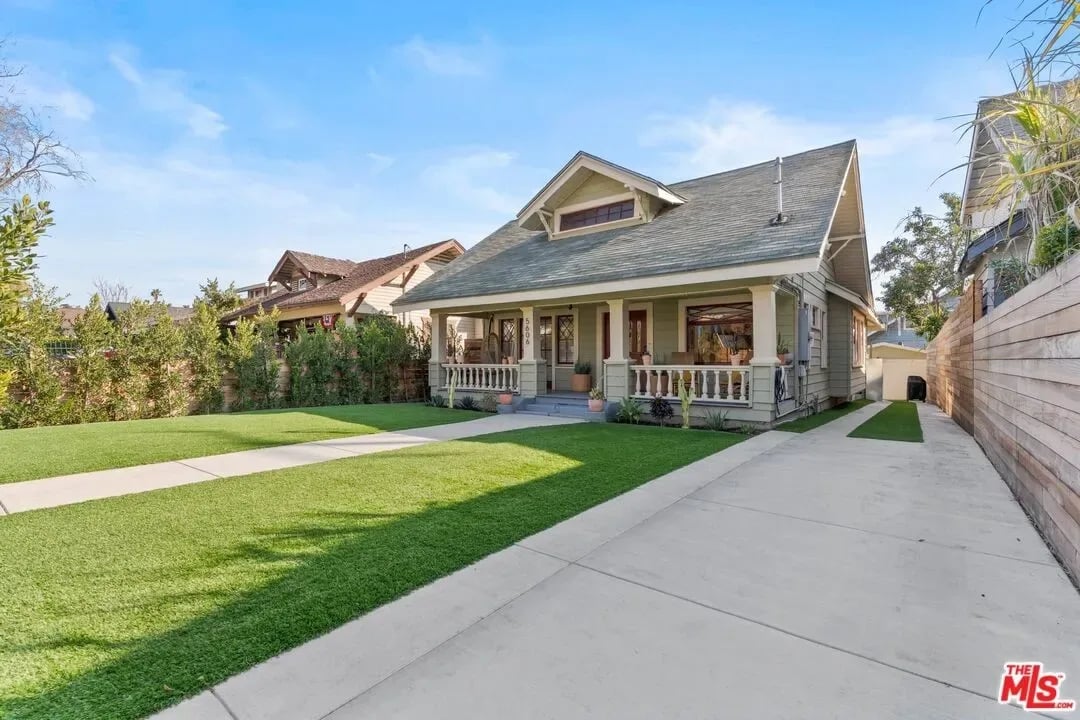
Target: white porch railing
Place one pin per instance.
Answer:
(490, 378)
(706, 383)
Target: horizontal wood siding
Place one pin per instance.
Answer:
(1023, 360)
(951, 381)
(818, 378)
(839, 347)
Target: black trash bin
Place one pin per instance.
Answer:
(916, 388)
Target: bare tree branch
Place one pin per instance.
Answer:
(30, 155)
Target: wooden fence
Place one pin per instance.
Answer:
(949, 363)
(1020, 376)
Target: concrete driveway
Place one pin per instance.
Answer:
(792, 576)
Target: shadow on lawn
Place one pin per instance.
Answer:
(345, 564)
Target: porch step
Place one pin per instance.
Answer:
(562, 406)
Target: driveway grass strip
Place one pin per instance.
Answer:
(119, 607)
(899, 421)
(32, 453)
(810, 422)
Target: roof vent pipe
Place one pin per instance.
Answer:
(780, 218)
(405, 250)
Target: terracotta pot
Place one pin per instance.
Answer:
(506, 398)
(596, 405)
(580, 383)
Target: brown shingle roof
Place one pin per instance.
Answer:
(359, 277)
(324, 265)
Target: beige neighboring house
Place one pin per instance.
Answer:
(318, 290)
(654, 283)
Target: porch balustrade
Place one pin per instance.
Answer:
(705, 383)
(482, 377)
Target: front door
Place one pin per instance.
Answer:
(637, 337)
(545, 348)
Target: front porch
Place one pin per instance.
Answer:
(721, 344)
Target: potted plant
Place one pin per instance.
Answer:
(581, 380)
(646, 357)
(506, 398)
(596, 400)
(783, 352)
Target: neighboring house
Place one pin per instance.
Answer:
(258, 290)
(993, 210)
(68, 315)
(179, 313)
(897, 333)
(653, 284)
(318, 290)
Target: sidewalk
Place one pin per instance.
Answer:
(68, 489)
(871, 577)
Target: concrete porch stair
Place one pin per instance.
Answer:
(567, 405)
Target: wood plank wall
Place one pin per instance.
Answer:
(1027, 402)
(949, 363)
(1025, 371)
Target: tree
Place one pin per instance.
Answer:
(111, 292)
(20, 231)
(29, 154)
(923, 264)
(89, 382)
(204, 351)
(222, 300)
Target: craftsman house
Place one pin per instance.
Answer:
(750, 286)
(317, 290)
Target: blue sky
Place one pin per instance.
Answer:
(218, 134)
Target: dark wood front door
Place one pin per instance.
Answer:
(637, 337)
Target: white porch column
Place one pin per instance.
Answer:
(764, 309)
(619, 321)
(438, 352)
(617, 367)
(530, 380)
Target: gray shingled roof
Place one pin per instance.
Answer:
(724, 222)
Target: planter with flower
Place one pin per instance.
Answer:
(581, 380)
(596, 400)
(783, 352)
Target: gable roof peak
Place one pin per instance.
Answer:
(584, 161)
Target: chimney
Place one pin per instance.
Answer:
(780, 218)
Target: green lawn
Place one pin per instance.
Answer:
(812, 421)
(899, 421)
(64, 449)
(119, 607)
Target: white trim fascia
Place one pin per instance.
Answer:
(836, 206)
(666, 282)
(854, 299)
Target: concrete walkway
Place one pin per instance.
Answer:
(808, 576)
(68, 489)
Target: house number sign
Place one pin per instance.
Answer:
(527, 333)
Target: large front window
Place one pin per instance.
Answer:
(717, 333)
(597, 215)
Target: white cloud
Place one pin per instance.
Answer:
(163, 92)
(472, 177)
(379, 162)
(449, 58)
(67, 101)
(901, 157)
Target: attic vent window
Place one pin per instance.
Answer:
(597, 215)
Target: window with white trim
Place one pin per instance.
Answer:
(622, 210)
(824, 340)
(858, 341)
